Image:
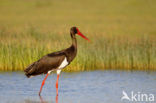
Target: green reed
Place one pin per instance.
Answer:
(17, 51)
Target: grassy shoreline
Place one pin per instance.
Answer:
(102, 53)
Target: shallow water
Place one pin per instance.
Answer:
(83, 87)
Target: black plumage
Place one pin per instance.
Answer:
(52, 61)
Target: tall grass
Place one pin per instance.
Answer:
(122, 33)
(102, 53)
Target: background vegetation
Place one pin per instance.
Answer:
(122, 33)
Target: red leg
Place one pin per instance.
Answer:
(43, 83)
(57, 84)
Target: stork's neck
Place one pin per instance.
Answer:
(72, 50)
(74, 41)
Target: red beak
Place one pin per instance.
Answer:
(79, 33)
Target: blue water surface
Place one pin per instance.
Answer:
(82, 87)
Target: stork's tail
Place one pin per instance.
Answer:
(29, 69)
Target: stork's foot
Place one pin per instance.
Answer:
(57, 99)
(39, 93)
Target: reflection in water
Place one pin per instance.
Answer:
(33, 101)
(42, 100)
(56, 98)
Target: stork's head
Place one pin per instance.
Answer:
(75, 30)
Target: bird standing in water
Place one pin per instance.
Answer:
(55, 61)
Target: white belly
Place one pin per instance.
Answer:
(64, 63)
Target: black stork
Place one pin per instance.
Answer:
(55, 61)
